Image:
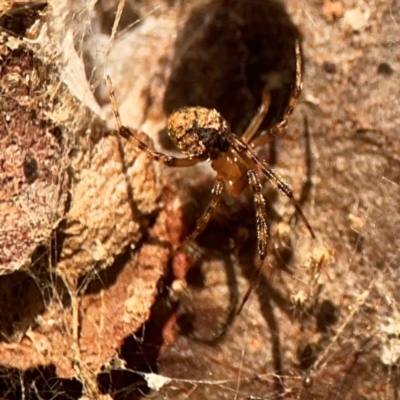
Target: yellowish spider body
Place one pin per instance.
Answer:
(203, 134)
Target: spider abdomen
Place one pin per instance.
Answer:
(199, 132)
(232, 170)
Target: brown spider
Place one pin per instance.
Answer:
(203, 134)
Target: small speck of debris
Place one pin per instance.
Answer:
(156, 382)
(307, 382)
(356, 19)
(390, 342)
(333, 10)
(356, 223)
(329, 67)
(385, 69)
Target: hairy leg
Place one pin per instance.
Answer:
(260, 210)
(258, 118)
(132, 135)
(294, 98)
(266, 102)
(262, 229)
(244, 151)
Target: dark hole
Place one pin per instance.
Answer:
(21, 17)
(195, 277)
(21, 300)
(30, 167)
(57, 133)
(185, 323)
(306, 356)
(326, 315)
(236, 48)
(329, 67)
(122, 385)
(385, 69)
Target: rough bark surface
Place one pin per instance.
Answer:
(88, 222)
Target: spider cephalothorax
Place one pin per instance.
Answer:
(201, 134)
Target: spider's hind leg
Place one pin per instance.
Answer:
(244, 151)
(284, 188)
(261, 215)
(262, 229)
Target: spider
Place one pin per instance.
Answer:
(202, 134)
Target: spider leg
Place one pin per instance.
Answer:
(294, 97)
(284, 188)
(266, 102)
(244, 151)
(261, 215)
(258, 118)
(261, 140)
(262, 229)
(132, 135)
(205, 217)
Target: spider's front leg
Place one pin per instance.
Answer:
(169, 160)
(132, 135)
